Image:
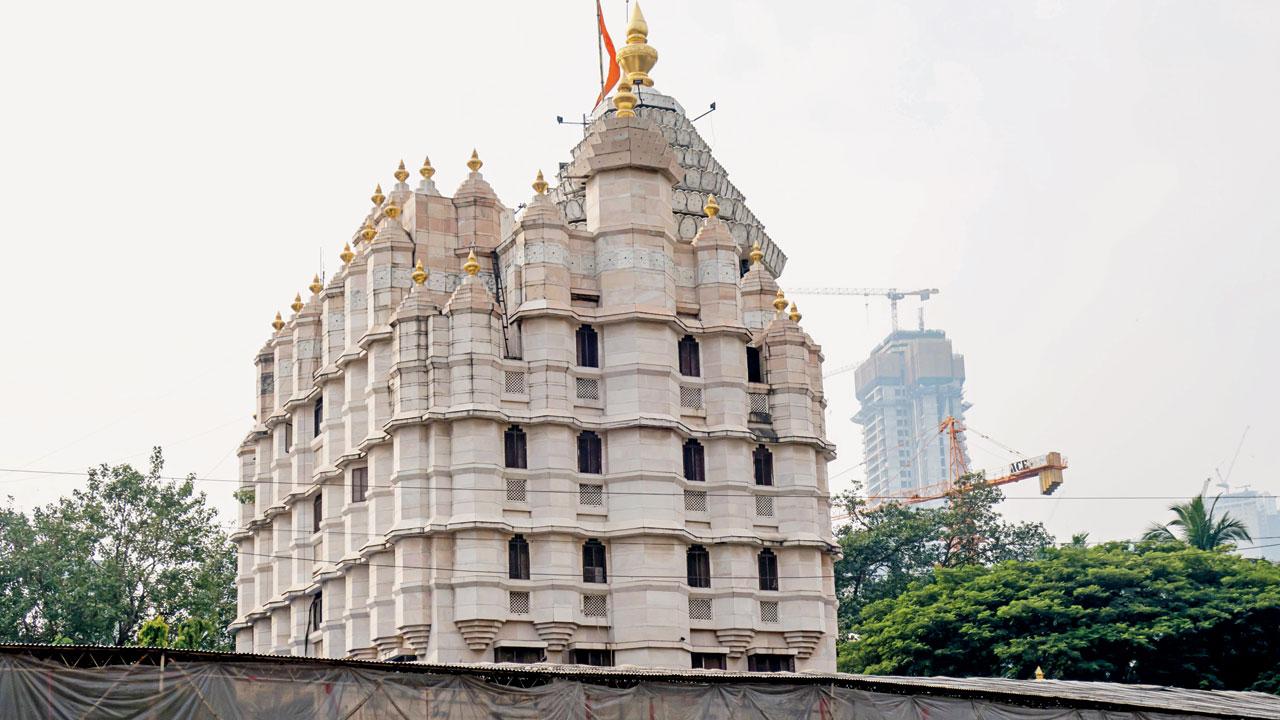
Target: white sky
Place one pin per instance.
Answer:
(1091, 184)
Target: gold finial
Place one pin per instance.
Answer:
(426, 171)
(1039, 673)
(346, 253)
(540, 184)
(471, 266)
(794, 314)
(277, 323)
(625, 100)
(316, 286)
(297, 303)
(368, 232)
(780, 302)
(392, 209)
(377, 197)
(419, 273)
(756, 254)
(401, 173)
(637, 57)
(474, 163)
(712, 208)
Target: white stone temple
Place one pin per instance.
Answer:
(584, 431)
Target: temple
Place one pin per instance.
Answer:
(589, 430)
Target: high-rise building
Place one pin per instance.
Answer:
(581, 432)
(1257, 510)
(911, 383)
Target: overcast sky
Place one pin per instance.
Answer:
(1092, 185)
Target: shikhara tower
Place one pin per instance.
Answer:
(586, 432)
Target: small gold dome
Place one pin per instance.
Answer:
(377, 197)
(780, 302)
(426, 171)
(346, 253)
(392, 209)
(368, 232)
(712, 208)
(316, 286)
(1039, 673)
(297, 303)
(540, 184)
(795, 313)
(278, 323)
(474, 163)
(401, 173)
(471, 266)
(419, 273)
(756, 254)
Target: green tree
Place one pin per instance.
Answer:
(1159, 613)
(128, 546)
(886, 549)
(154, 633)
(1200, 526)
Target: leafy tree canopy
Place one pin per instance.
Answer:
(1161, 613)
(886, 549)
(128, 546)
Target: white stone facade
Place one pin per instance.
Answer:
(411, 554)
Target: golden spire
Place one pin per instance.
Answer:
(346, 253)
(540, 184)
(474, 163)
(625, 100)
(419, 273)
(278, 323)
(756, 254)
(795, 313)
(401, 173)
(712, 208)
(392, 209)
(316, 286)
(471, 266)
(1039, 673)
(368, 232)
(377, 197)
(426, 171)
(637, 57)
(780, 302)
(297, 303)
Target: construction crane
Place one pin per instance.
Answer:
(1048, 468)
(893, 294)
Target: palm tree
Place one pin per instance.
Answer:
(1198, 526)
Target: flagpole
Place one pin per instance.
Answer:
(599, 48)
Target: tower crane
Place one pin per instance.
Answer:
(893, 294)
(1048, 468)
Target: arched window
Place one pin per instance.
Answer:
(593, 562)
(763, 461)
(768, 570)
(689, 362)
(588, 347)
(755, 367)
(590, 453)
(695, 461)
(518, 558)
(515, 447)
(699, 565)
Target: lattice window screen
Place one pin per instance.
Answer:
(596, 605)
(587, 388)
(768, 611)
(764, 505)
(695, 501)
(514, 382)
(517, 490)
(518, 602)
(690, 397)
(699, 608)
(591, 494)
(759, 403)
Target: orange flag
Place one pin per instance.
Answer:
(613, 57)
